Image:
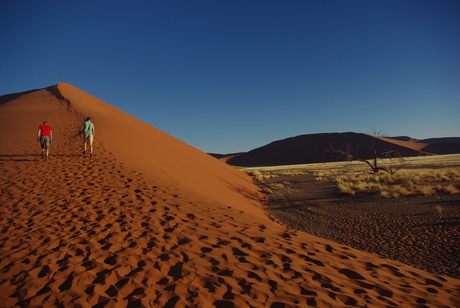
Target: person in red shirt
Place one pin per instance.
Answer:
(45, 136)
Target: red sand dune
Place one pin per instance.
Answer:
(152, 222)
(418, 146)
(438, 146)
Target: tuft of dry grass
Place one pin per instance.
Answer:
(400, 190)
(267, 190)
(426, 190)
(256, 175)
(384, 194)
(275, 186)
(361, 185)
(439, 209)
(292, 172)
(385, 178)
(261, 176)
(449, 189)
(346, 188)
(395, 194)
(408, 180)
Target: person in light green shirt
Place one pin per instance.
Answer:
(87, 133)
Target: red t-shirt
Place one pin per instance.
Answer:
(45, 130)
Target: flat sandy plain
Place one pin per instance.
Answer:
(407, 229)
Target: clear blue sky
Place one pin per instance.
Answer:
(229, 76)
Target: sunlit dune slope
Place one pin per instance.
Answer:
(140, 146)
(417, 146)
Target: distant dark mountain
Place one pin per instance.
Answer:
(402, 138)
(449, 145)
(446, 145)
(315, 148)
(441, 140)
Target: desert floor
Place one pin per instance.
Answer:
(407, 229)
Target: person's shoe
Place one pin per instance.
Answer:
(84, 152)
(91, 155)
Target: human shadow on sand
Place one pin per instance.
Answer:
(31, 157)
(26, 157)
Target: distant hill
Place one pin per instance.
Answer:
(440, 146)
(448, 145)
(441, 140)
(402, 138)
(316, 148)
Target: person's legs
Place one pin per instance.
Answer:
(42, 147)
(90, 143)
(84, 137)
(45, 145)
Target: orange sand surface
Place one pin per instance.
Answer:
(418, 146)
(150, 221)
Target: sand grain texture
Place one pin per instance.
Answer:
(154, 222)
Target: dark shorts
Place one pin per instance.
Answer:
(45, 142)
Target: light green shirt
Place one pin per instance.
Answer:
(87, 128)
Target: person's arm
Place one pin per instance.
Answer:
(38, 134)
(51, 136)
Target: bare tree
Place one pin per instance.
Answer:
(382, 160)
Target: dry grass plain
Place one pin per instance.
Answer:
(413, 217)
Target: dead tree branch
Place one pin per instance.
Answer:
(386, 160)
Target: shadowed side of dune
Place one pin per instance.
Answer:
(314, 148)
(22, 113)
